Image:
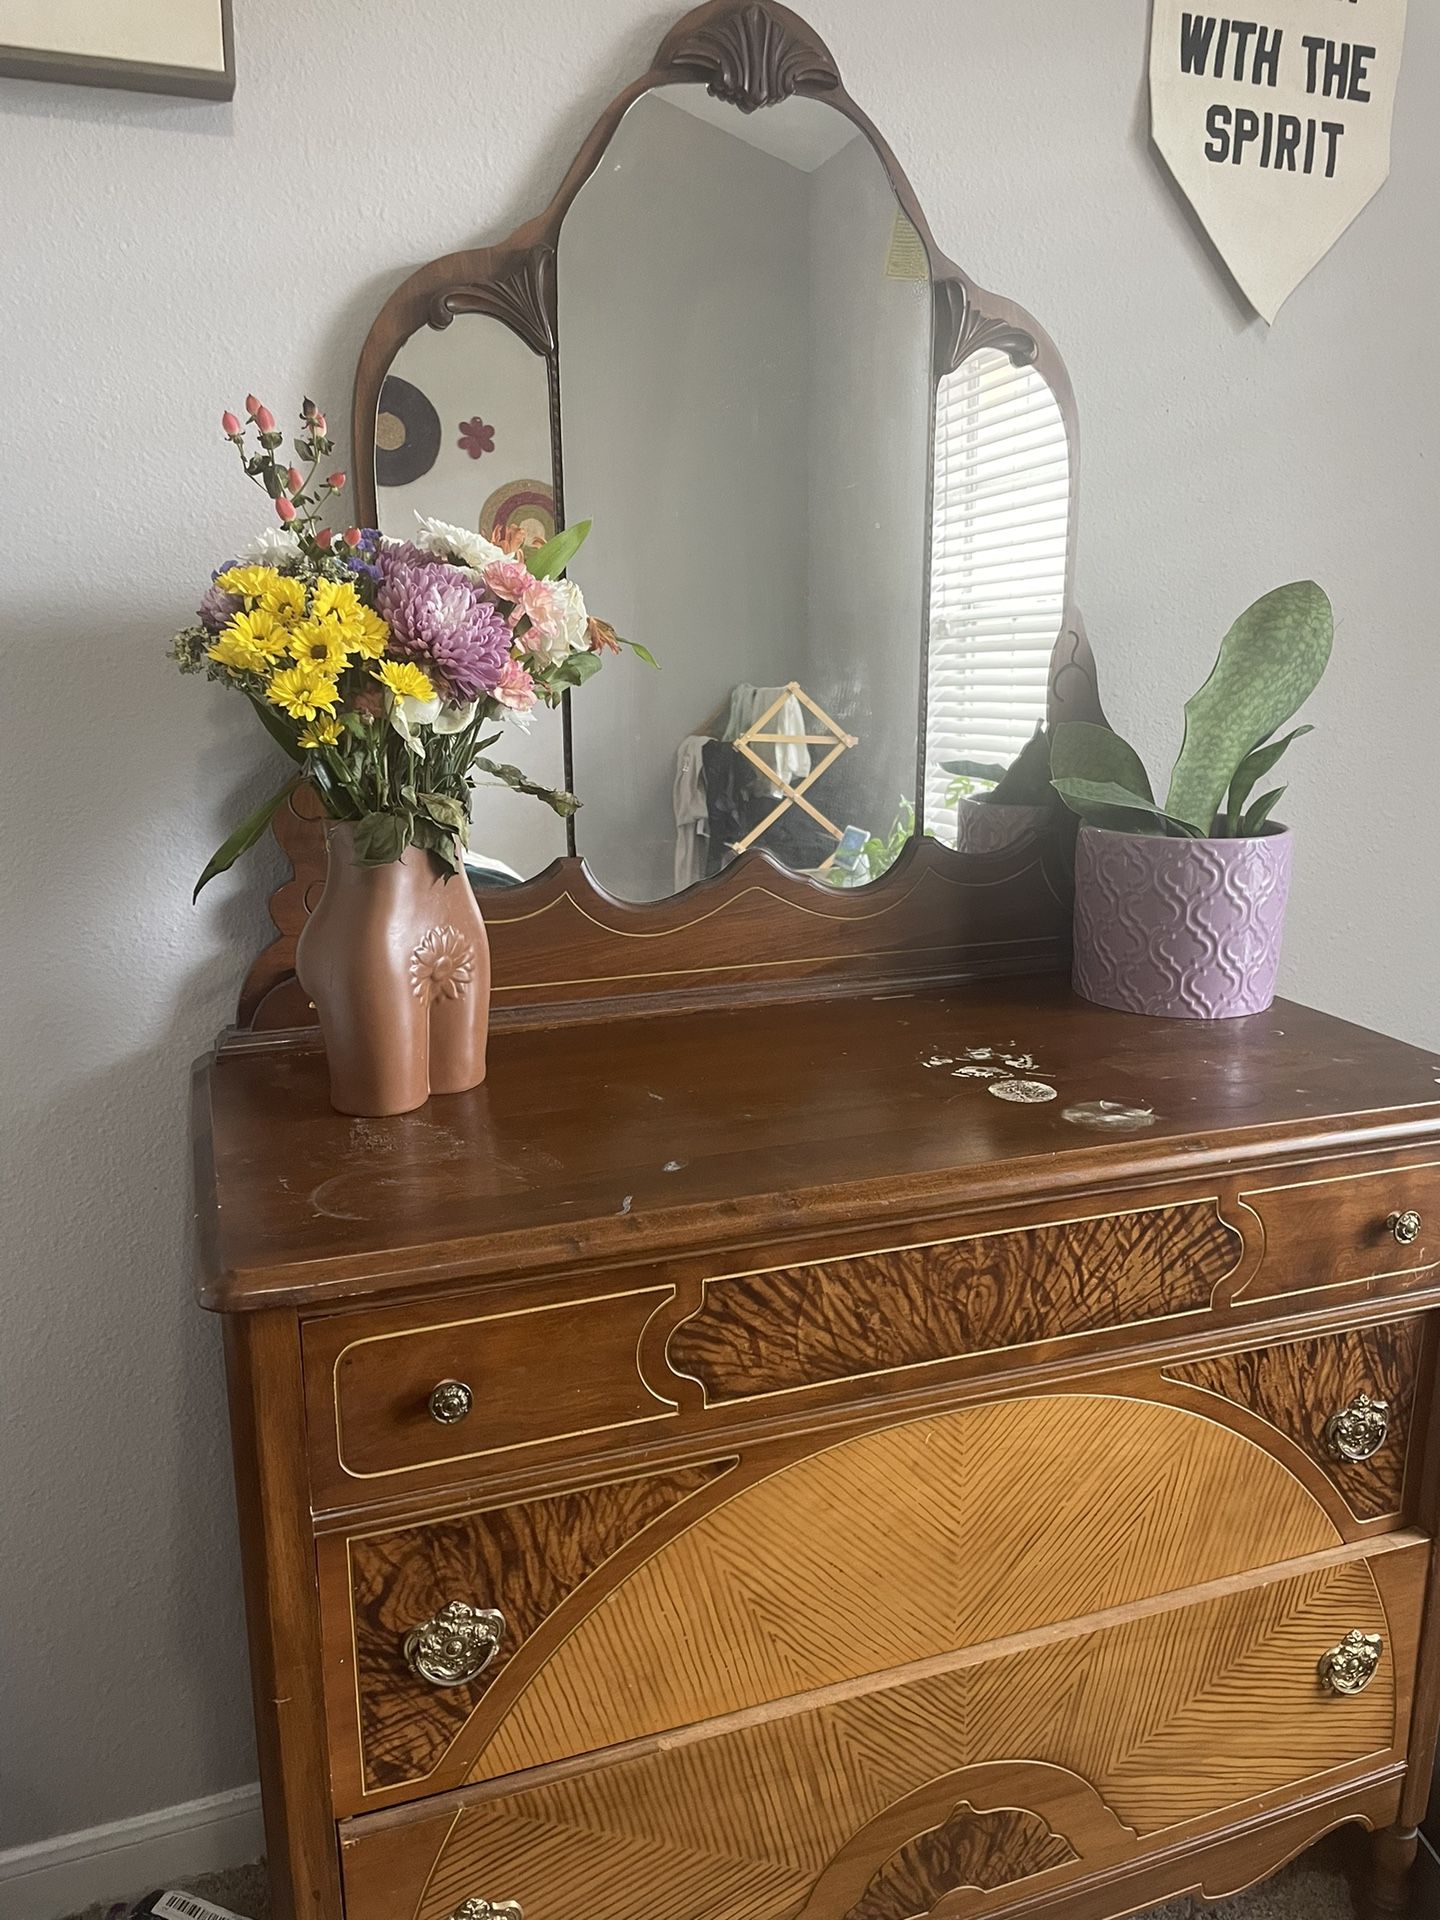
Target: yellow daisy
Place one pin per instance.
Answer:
(320, 643)
(232, 652)
(405, 680)
(321, 732)
(285, 599)
(367, 634)
(249, 584)
(303, 692)
(260, 631)
(337, 598)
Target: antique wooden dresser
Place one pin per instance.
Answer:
(730, 1468)
(836, 1428)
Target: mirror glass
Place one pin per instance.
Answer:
(852, 578)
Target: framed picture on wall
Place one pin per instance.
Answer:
(151, 46)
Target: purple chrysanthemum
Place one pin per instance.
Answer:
(218, 609)
(446, 623)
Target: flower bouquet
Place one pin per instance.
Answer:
(385, 669)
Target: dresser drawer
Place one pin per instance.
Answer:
(395, 1392)
(1374, 1231)
(619, 1611)
(1023, 1767)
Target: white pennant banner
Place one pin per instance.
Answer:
(1276, 125)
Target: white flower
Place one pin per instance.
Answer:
(456, 543)
(556, 612)
(453, 719)
(276, 547)
(406, 715)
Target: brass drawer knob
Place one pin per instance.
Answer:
(1406, 1227)
(1358, 1431)
(450, 1402)
(1350, 1667)
(456, 1646)
(488, 1910)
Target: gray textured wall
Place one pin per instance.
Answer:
(162, 257)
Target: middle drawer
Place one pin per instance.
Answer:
(483, 1639)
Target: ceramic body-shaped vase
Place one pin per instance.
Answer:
(1180, 929)
(396, 961)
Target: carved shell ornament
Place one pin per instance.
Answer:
(751, 59)
(442, 966)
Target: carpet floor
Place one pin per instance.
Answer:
(1315, 1888)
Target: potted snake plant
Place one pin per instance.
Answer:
(1180, 907)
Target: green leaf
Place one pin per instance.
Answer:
(557, 553)
(990, 770)
(641, 653)
(563, 803)
(1251, 772)
(1254, 821)
(1079, 750)
(283, 733)
(381, 838)
(440, 807)
(1269, 664)
(441, 842)
(245, 835)
(1104, 803)
(575, 669)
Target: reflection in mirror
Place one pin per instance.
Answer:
(998, 569)
(744, 323)
(462, 434)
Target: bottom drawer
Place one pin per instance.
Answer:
(989, 1777)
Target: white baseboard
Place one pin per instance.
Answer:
(129, 1858)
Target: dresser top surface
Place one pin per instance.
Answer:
(638, 1136)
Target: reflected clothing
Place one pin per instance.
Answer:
(692, 815)
(747, 704)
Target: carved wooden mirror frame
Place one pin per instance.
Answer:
(756, 930)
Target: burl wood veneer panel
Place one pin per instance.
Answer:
(1297, 1387)
(760, 1333)
(901, 1545)
(526, 1560)
(1155, 1721)
(969, 1852)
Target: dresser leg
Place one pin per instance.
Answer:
(1394, 1853)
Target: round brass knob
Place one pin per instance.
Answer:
(450, 1402)
(456, 1646)
(1359, 1431)
(488, 1910)
(1405, 1227)
(1350, 1667)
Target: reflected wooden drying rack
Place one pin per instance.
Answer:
(834, 737)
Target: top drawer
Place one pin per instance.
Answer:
(1376, 1231)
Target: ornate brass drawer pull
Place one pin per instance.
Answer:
(1406, 1227)
(455, 1647)
(488, 1910)
(1358, 1431)
(450, 1402)
(1350, 1667)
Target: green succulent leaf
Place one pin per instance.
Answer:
(1256, 818)
(563, 803)
(557, 553)
(990, 770)
(1105, 803)
(1269, 664)
(1079, 750)
(245, 835)
(1248, 775)
(381, 838)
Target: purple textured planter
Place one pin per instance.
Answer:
(985, 828)
(1181, 929)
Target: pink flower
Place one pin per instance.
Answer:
(556, 613)
(285, 508)
(335, 481)
(324, 538)
(353, 536)
(230, 422)
(264, 419)
(319, 423)
(515, 688)
(294, 479)
(252, 405)
(476, 438)
(508, 579)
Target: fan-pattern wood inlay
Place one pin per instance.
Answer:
(981, 1850)
(962, 329)
(904, 1544)
(753, 57)
(1169, 1718)
(1299, 1386)
(800, 1326)
(524, 298)
(524, 1559)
